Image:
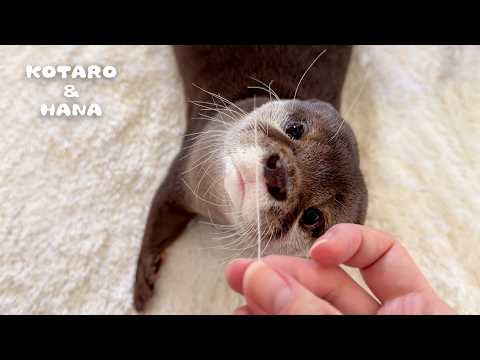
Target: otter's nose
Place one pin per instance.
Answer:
(275, 174)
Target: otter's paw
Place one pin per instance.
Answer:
(147, 271)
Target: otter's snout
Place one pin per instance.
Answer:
(275, 174)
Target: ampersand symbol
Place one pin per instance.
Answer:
(69, 91)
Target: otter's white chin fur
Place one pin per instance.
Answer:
(240, 181)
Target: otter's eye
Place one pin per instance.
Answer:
(314, 221)
(312, 216)
(294, 130)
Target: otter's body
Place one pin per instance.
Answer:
(308, 158)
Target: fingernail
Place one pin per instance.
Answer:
(321, 240)
(266, 288)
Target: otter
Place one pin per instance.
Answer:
(271, 108)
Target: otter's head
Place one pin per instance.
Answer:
(308, 176)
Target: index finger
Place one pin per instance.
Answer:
(385, 265)
(331, 284)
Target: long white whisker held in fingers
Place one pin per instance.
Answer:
(306, 71)
(257, 198)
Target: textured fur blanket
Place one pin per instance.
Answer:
(74, 193)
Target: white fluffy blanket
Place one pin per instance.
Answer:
(74, 193)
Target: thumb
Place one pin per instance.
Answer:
(269, 291)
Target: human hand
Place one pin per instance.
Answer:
(296, 286)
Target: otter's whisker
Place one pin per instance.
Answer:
(230, 245)
(205, 132)
(221, 98)
(237, 240)
(214, 182)
(204, 174)
(266, 87)
(217, 111)
(238, 254)
(269, 239)
(221, 110)
(260, 88)
(212, 119)
(338, 130)
(207, 139)
(305, 73)
(341, 205)
(360, 92)
(200, 198)
(354, 102)
(202, 160)
(206, 104)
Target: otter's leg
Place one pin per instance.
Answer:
(166, 220)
